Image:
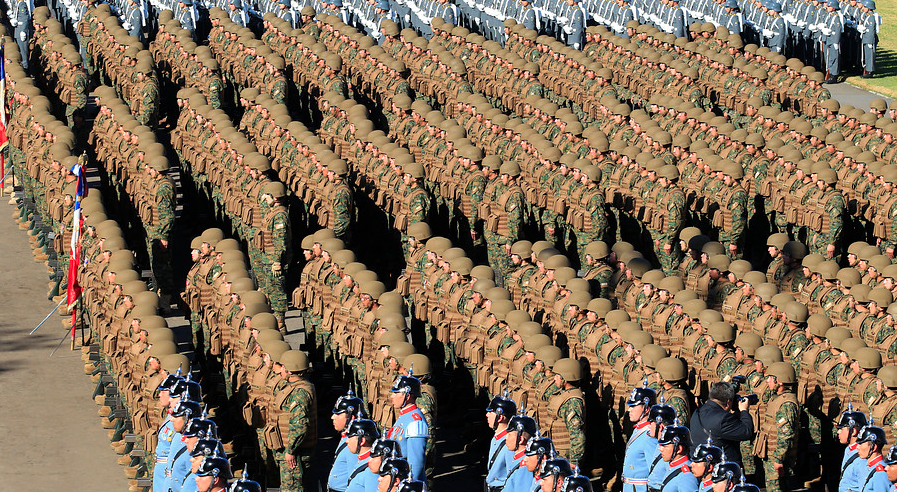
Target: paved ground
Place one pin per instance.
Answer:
(852, 95)
(52, 438)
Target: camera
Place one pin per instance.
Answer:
(751, 398)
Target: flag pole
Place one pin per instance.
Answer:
(73, 290)
(3, 137)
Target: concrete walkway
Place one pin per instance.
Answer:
(853, 95)
(52, 438)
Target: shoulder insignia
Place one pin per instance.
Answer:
(416, 416)
(686, 469)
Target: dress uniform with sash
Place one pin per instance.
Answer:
(410, 429)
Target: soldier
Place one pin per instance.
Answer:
(675, 444)
(158, 232)
(166, 433)
(832, 28)
(850, 424)
(186, 15)
(868, 25)
(347, 409)
(521, 429)
(536, 452)
(133, 20)
(566, 410)
(341, 200)
(669, 220)
(575, 29)
(725, 478)
(392, 474)
(360, 438)
(274, 243)
(213, 474)
(237, 13)
(410, 429)
(505, 223)
(296, 421)
(776, 441)
(641, 447)
(416, 204)
(20, 19)
(419, 366)
(554, 473)
(498, 414)
(704, 458)
(673, 373)
(870, 443)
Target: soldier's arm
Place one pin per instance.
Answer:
(739, 218)
(279, 234)
(515, 217)
(166, 211)
(574, 418)
(341, 210)
(297, 404)
(786, 437)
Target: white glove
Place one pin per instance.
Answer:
(836, 46)
(575, 46)
(407, 17)
(23, 36)
(14, 22)
(127, 26)
(568, 29)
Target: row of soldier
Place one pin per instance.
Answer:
(120, 60)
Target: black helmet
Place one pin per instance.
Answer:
(852, 418)
(727, 470)
(502, 406)
(411, 486)
(409, 385)
(186, 407)
(208, 447)
(170, 381)
(556, 466)
(873, 434)
(642, 396)
(745, 487)
(215, 466)
(363, 428)
(202, 427)
(675, 434)
(706, 453)
(576, 483)
(397, 468)
(385, 447)
(891, 456)
(523, 423)
(538, 445)
(662, 414)
(186, 389)
(349, 404)
(244, 484)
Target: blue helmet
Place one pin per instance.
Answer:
(775, 6)
(869, 4)
(731, 4)
(383, 4)
(834, 4)
(337, 3)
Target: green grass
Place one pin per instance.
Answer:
(885, 80)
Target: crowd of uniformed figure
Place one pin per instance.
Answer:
(816, 32)
(553, 164)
